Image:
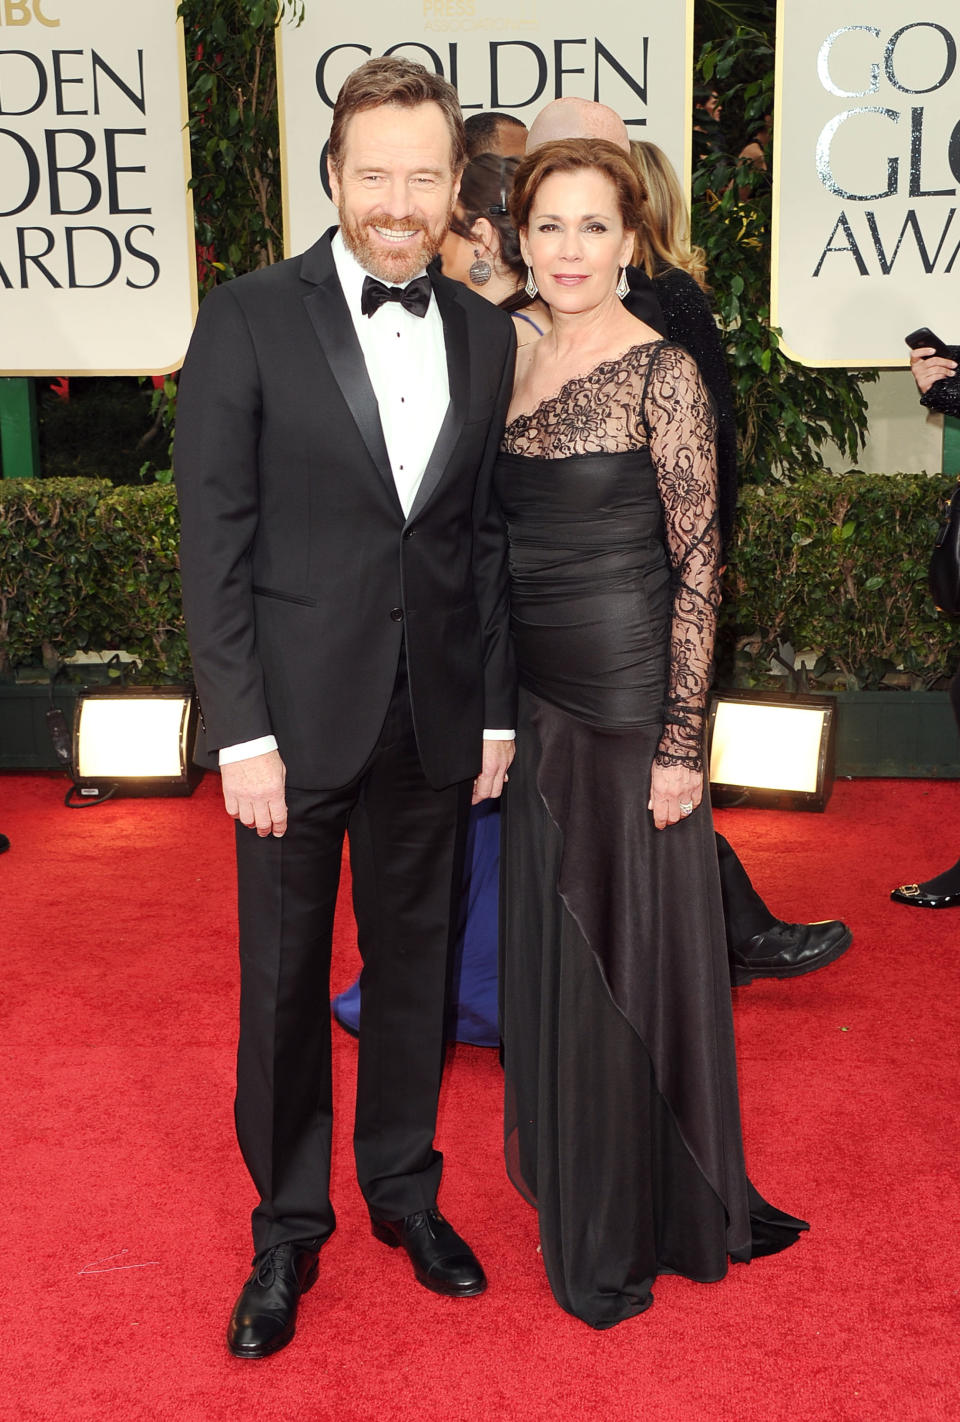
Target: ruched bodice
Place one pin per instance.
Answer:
(609, 493)
(590, 583)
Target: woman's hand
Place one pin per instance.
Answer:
(675, 792)
(929, 368)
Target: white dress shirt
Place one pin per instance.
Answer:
(406, 361)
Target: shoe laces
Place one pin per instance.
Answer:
(271, 1263)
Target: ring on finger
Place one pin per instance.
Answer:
(686, 808)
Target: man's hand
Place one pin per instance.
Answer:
(253, 793)
(670, 787)
(497, 756)
(929, 368)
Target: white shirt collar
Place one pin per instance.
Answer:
(351, 273)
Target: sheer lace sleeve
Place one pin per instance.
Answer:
(680, 418)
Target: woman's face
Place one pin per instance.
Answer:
(575, 240)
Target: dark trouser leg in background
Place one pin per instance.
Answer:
(744, 911)
(761, 946)
(942, 891)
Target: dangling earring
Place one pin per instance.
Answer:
(623, 286)
(481, 271)
(530, 287)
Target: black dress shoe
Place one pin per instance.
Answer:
(920, 896)
(265, 1316)
(788, 950)
(442, 1261)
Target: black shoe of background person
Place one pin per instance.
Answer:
(265, 1316)
(940, 892)
(788, 950)
(4, 843)
(441, 1260)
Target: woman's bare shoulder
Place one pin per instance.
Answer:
(526, 334)
(526, 354)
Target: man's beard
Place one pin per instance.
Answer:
(398, 267)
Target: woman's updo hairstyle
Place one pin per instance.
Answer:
(572, 155)
(485, 192)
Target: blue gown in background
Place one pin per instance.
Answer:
(473, 985)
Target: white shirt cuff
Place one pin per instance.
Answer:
(499, 735)
(245, 749)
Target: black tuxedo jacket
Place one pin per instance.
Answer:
(301, 574)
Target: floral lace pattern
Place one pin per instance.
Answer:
(652, 396)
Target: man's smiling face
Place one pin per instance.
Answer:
(396, 188)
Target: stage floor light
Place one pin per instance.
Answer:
(772, 749)
(135, 741)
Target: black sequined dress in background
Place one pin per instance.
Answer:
(683, 314)
(623, 1121)
(944, 395)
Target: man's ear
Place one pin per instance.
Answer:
(333, 180)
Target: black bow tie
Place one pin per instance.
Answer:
(414, 297)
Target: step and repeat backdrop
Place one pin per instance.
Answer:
(97, 267)
(512, 56)
(866, 178)
(97, 260)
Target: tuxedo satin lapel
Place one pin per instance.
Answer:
(330, 318)
(458, 374)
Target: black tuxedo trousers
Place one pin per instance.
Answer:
(406, 858)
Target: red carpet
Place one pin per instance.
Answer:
(126, 1202)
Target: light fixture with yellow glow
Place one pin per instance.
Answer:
(134, 741)
(772, 749)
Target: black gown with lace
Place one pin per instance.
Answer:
(622, 1122)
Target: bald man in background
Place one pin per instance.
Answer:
(577, 118)
(758, 944)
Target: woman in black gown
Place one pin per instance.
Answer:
(622, 1112)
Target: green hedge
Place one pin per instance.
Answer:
(84, 565)
(831, 563)
(838, 564)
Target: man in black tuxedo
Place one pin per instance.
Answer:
(344, 578)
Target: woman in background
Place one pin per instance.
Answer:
(679, 274)
(482, 248)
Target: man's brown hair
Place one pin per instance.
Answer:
(406, 85)
(571, 155)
